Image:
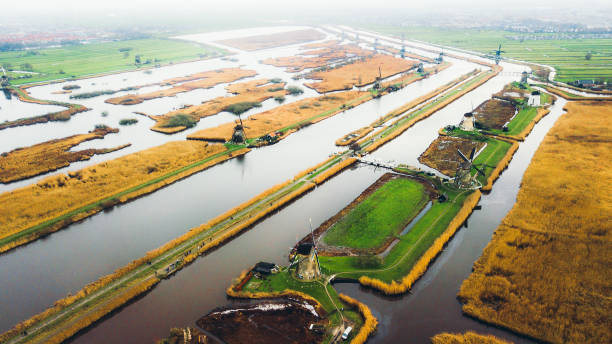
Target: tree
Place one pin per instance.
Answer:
(27, 66)
(588, 56)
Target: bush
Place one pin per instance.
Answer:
(294, 90)
(91, 94)
(276, 80)
(104, 113)
(239, 108)
(368, 262)
(275, 89)
(279, 99)
(128, 121)
(101, 126)
(71, 87)
(180, 120)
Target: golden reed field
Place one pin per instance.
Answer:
(286, 115)
(23, 163)
(249, 91)
(319, 57)
(206, 79)
(273, 40)
(59, 194)
(547, 271)
(466, 338)
(360, 73)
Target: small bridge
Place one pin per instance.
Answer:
(377, 163)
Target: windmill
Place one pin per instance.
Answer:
(378, 78)
(376, 44)
(314, 247)
(4, 82)
(498, 53)
(440, 58)
(463, 176)
(403, 50)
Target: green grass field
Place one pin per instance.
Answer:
(96, 58)
(382, 214)
(410, 247)
(567, 56)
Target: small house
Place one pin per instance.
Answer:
(264, 268)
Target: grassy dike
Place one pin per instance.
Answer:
(54, 224)
(74, 313)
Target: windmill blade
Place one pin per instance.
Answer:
(479, 171)
(463, 156)
(472, 153)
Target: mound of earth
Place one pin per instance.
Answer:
(442, 153)
(285, 321)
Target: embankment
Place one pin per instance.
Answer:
(432, 252)
(370, 322)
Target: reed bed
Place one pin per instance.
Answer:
(466, 338)
(359, 73)
(318, 58)
(265, 41)
(206, 79)
(23, 163)
(103, 310)
(288, 117)
(432, 252)
(100, 186)
(334, 170)
(254, 91)
(357, 135)
(370, 321)
(546, 272)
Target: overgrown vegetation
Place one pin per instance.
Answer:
(180, 120)
(128, 121)
(242, 107)
(546, 271)
(295, 90)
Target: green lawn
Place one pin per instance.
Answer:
(382, 214)
(519, 122)
(95, 58)
(567, 56)
(410, 247)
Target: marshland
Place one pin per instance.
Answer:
(236, 139)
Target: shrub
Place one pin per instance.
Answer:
(275, 89)
(104, 113)
(71, 87)
(294, 90)
(128, 121)
(276, 80)
(239, 108)
(101, 126)
(180, 120)
(368, 262)
(279, 99)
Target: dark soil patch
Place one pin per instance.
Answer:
(442, 153)
(494, 113)
(284, 321)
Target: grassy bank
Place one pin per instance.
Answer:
(410, 247)
(83, 60)
(384, 213)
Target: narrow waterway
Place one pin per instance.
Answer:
(69, 259)
(432, 306)
(75, 256)
(192, 292)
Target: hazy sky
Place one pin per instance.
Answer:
(59, 5)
